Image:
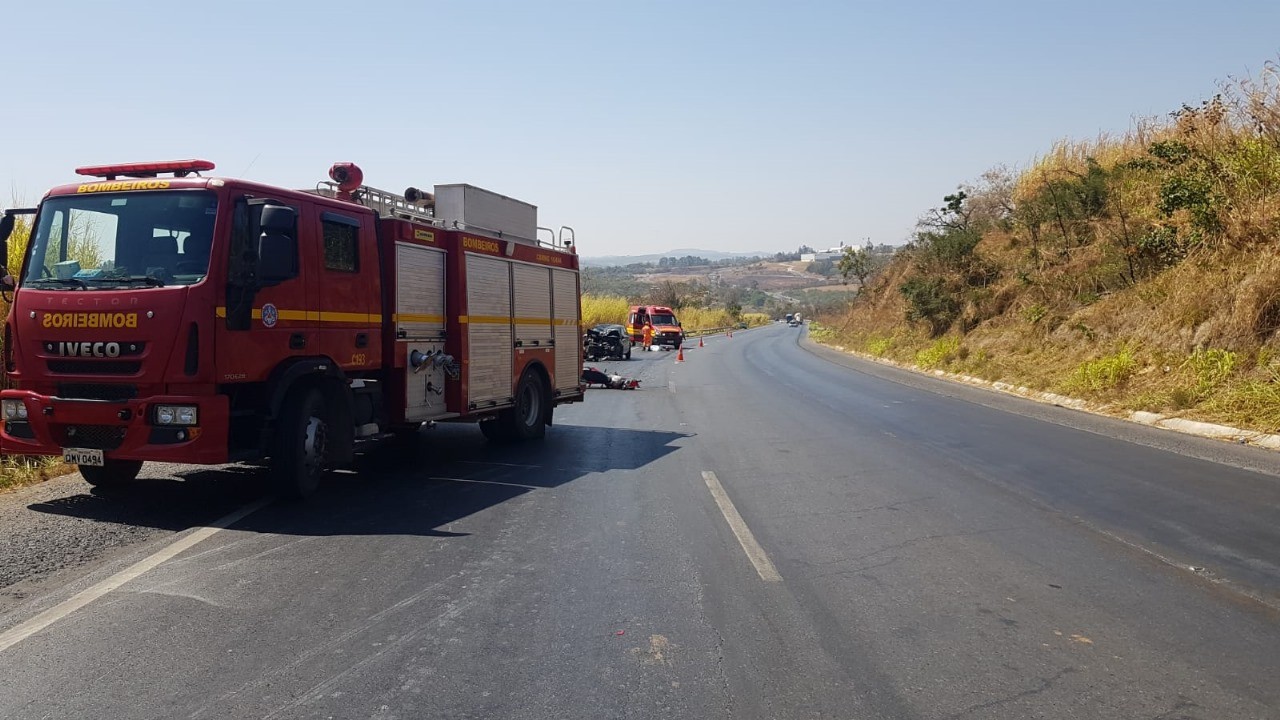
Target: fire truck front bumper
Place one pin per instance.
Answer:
(162, 428)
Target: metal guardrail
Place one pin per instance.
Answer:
(709, 331)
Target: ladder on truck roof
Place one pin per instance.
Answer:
(389, 204)
(383, 202)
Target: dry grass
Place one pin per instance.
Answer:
(1252, 403)
(16, 472)
(598, 309)
(613, 309)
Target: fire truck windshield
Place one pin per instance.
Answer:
(111, 240)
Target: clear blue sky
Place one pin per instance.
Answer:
(646, 125)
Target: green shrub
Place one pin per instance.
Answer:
(952, 248)
(1035, 313)
(1104, 373)
(1161, 248)
(879, 346)
(938, 353)
(821, 333)
(1255, 403)
(929, 300)
(1211, 366)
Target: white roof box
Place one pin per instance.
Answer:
(483, 210)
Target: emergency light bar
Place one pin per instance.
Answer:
(180, 168)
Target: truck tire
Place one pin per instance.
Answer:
(527, 420)
(302, 444)
(113, 473)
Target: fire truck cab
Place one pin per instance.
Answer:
(165, 316)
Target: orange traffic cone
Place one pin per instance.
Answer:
(680, 354)
(700, 341)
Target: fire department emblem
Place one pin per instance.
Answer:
(270, 315)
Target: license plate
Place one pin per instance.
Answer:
(82, 456)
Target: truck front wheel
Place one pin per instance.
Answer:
(113, 473)
(302, 449)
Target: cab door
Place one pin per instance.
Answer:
(264, 320)
(350, 299)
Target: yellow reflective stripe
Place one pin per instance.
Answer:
(417, 317)
(502, 320)
(332, 316)
(311, 315)
(352, 317)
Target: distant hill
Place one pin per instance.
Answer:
(608, 260)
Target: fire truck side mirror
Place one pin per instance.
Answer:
(6, 229)
(277, 245)
(278, 219)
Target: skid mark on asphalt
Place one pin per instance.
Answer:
(488, 482)
(321, 689)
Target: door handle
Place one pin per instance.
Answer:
(297, 341)
(362, 340)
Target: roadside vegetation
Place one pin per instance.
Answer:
(16, 472)
(614, 309)
(19, 471)
(1141, 271)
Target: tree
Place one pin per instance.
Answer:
(733, 298)
(857, 263)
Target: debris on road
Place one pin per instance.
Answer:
(592, 376)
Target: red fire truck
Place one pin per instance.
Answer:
(165, 316)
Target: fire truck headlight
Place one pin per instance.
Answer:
(187, 415)
(14, 410)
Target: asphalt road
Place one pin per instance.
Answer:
(767, 530)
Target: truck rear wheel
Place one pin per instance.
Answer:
(525, 421)
(529, 414)
(302, 448)
(113, 473)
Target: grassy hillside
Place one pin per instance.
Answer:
(1142, 271)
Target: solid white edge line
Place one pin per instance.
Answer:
(24, 630)
(755, 553)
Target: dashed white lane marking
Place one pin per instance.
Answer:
(755, 553)
(24, 630)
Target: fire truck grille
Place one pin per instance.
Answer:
(95, 437)
(97, 391)
(95, 367)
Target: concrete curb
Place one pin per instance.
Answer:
(1164, 422)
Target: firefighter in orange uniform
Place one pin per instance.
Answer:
(648, 335)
